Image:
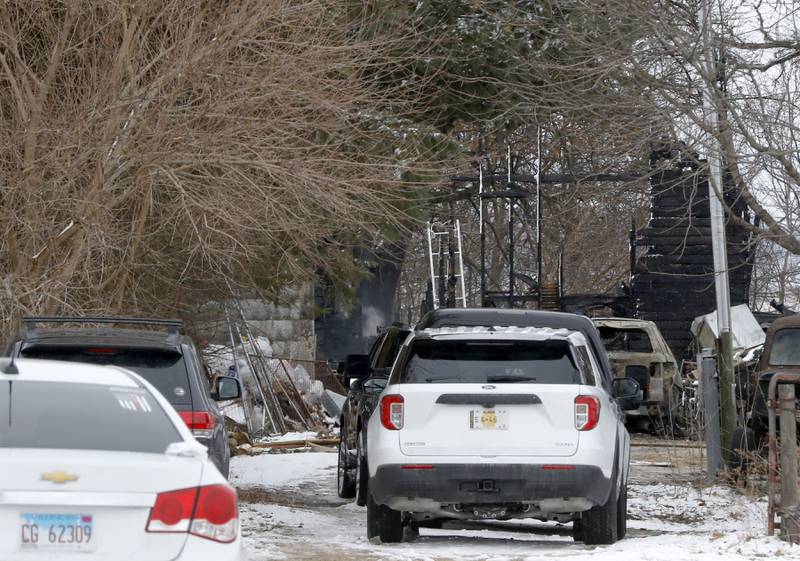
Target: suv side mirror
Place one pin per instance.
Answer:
(356, 384)
(375, 384)
(227, 387)
(626, 391)
(355, 367)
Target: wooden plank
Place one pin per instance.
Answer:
(298, 443)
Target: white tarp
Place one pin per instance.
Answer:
(745, 328)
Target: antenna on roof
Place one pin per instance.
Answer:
(10, 367)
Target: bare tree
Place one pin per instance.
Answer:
(151, 149)
(609, 78)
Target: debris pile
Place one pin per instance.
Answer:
(282, 406)
(277, 397)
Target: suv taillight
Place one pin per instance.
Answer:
(392, 411)
(201, 423)
(587, 412)
(210, 512)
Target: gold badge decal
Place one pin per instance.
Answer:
(489, 419)
(59, 477)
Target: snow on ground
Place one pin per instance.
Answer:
(291, 436)
(279, 470)
(290, 511)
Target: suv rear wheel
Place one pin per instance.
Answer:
(383, 522)
(622, 513)
(600, 525)
(361, 474)
(345, 486)
(577, 529)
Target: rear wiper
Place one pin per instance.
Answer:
(503, 378)
(439, 378)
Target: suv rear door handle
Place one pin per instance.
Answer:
(489, 399)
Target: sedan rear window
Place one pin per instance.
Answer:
(626, 340)
(164, 369)
(482, 362)
(71, 416)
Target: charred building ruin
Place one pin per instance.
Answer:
(672, 267)
(673, 281)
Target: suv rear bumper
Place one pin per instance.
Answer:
(489, 483)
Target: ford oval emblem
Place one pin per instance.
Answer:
(488, 387)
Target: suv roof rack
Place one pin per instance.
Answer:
(173, 325)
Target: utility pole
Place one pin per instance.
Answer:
(483, 236)
(510, 237)
(539, 213)
(718, 242)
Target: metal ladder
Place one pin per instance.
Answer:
(439, 239)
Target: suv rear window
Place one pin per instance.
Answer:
(390, 349)
(481, 362)
(785, 348)
(64, 415)
(626, 340)
(165, 369)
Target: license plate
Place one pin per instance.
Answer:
(488, 419)
(61, 532)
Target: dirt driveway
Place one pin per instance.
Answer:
(290, 511)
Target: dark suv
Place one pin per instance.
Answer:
(781, 354)
(365, 376)
(165, 358)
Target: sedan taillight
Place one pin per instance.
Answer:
(202, 423)
(392, 411)
(587, 412)
(210, 512)
(172, 511)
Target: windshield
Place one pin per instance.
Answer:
(536, 362)
(164, 369)
(785, 348)
(72, 416)
(626, 340)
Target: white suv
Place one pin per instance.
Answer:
(499, 423)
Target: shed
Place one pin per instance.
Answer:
(746, 330)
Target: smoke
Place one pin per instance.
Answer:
(371, 320)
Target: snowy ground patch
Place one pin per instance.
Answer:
(290, 511)
(275, 471)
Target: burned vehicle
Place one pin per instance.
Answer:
(781, 354)
(637, 350)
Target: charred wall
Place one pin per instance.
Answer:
(674, 280)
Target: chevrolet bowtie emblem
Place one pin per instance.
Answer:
(59, 477)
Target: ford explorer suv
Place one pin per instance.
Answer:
(497, 423)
